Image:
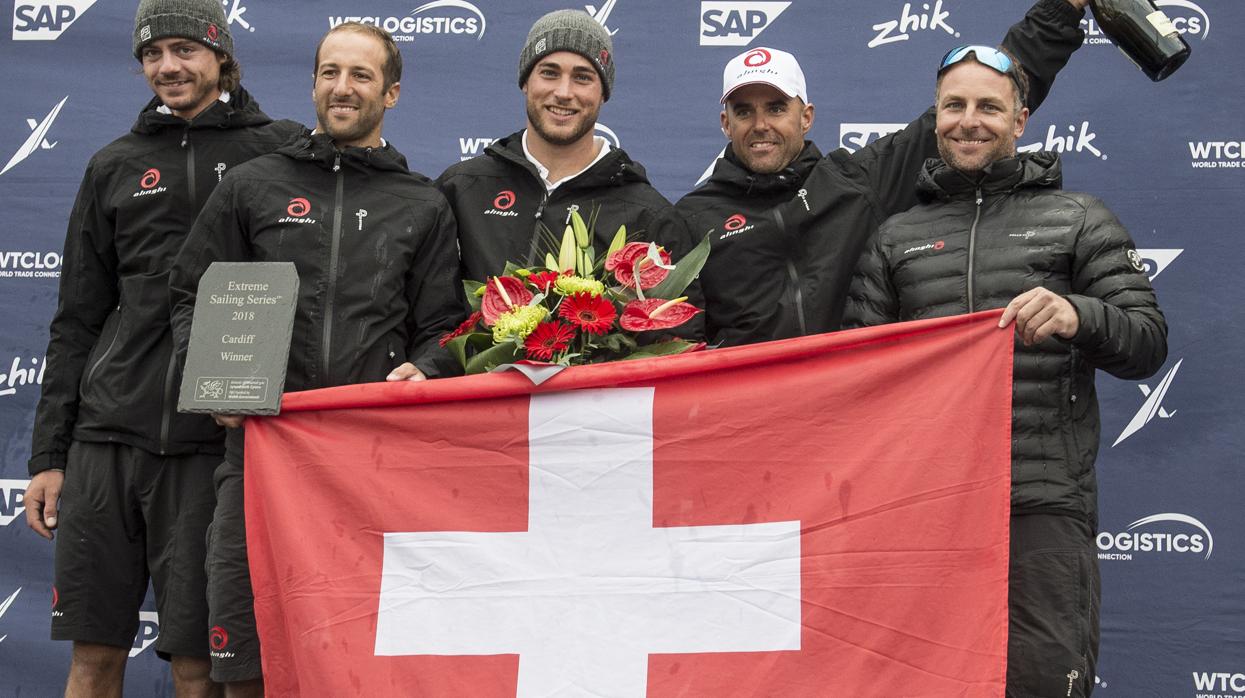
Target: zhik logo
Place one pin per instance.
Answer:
(234, 10)
(38, 137)
(12, 500)
(1081, 140)
(46, 21)
(603, 15)
(736, 23)
(4, 607)
(853, 137)
(148, 631)
(18, 376)
(1158, 533)
(1153, 405)
(404, 29)
(1154, 261)
(929, 19)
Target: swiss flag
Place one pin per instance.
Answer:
(825, 516)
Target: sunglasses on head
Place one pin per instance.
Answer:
(985, 55)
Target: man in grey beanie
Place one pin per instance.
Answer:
(123, 478)
(556, 164)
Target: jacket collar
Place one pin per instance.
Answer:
(320, 149)
(1042, 169)
(614, 169)
(241, 111)
(730, 173)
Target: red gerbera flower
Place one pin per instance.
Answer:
(592, 314)
(462, 329)
(495, 302)
(656, 314)
(544, 279)
(623, 263)
(547, 339)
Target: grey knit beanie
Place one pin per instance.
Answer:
(570, 30)
(200, 20)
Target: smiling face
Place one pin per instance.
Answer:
(349, 92)
(766, 127)
(184, 74)
(978, 118)
(564, 98)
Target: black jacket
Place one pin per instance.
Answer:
(975, 246)
(505, 215)
(375, 290)
(789, 275)
(111, 375)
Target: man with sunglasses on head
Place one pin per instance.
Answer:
(996, 231)
(786, 223)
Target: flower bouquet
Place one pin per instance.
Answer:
(580, 308)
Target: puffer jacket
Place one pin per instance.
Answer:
(374, 247)
(111, 374)
(976, 245)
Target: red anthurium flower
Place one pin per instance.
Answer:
(548, 339)
(544, 279)
(500, 295)
(623, 262)
(592, 314)
(462, 329)
(656, 314)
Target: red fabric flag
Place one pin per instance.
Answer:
(824, 516)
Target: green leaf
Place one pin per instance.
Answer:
(511, 269)
(492, 357)
(676, 346)
(685, 270)
(474, 291)
(458, 345)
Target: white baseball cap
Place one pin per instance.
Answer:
(765, 66)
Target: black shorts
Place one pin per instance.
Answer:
(1053, 603)
(127, 515)
(233, 639)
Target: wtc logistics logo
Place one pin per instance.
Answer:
(1158, 534)
(1187, 17)
(736, 23)
(928, 18)
(1219, 684)
(452, 17)
(1221, 155)
(29, 265)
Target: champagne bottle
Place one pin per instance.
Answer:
(1144, 34)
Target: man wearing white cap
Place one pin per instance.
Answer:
(787, 224)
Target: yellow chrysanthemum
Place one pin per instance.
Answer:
(518, 323)
(570, 285)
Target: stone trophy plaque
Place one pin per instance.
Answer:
(240, 338)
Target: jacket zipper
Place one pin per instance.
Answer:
(972, 250)
(170, 400)
(334, 251)
(116, 334)
(794, 275)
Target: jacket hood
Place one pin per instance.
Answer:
(241, 111)
(1042, 169)
(319, 148)
(730, 173)
(615, 169)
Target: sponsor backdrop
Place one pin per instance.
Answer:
(1168, 158)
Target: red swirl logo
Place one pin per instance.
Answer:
(150, 179)
(218, 638)
(505, 199)
(212, 32)
(56, 597)
(735, 222)
(299, 207)
(757, 58)
(939, 245)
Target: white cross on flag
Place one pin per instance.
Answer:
(821, 516)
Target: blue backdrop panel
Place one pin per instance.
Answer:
(1166, 157)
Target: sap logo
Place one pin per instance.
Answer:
(471, 147)
(12, 500)
(45, 21)
(234, 10)
(1080, 140)
(1187, 17)
(1220, 681)
(19, 376)
(603, 15)
(38, 138)
(1155, 261)
(148, 631)
(853, 137)
(928, 19)
(736, 23)
(406, 28)
(4, 607)
(1153, 405)
(1164, 540)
